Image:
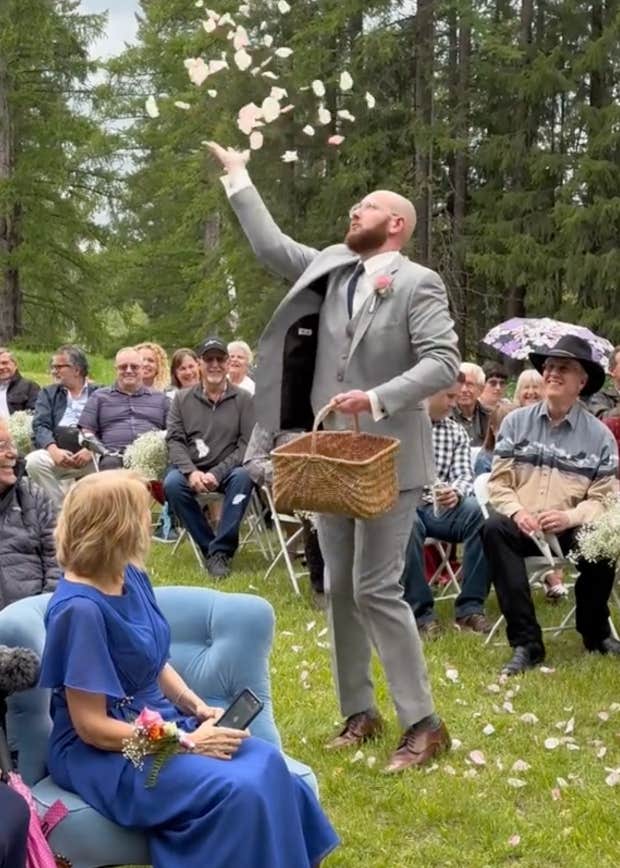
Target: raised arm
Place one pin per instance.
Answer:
(275, 250)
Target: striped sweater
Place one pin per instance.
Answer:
(538, 465)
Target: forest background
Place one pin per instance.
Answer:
(499, 118)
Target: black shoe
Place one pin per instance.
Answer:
(218, 565)
(608, 646)
(524, 657)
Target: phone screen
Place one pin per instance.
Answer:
(242, 711)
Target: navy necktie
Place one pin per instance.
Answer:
(351, 286)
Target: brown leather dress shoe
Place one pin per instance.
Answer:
(475, 623)
(418, 747)
(357, 729)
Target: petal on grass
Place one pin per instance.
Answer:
(520, 766)
(517, 783)
(552, 743)
(514, 840)
(529, 717)
(489, 729)
(478, 758)
(451, 674)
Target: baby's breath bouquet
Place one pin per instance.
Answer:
(148, 455)
(600, 540)
(20, 429)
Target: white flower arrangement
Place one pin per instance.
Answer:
(20, 429)
(148, 455)
(600, 540)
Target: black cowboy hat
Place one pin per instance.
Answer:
(573, 347)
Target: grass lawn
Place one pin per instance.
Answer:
(455, 813)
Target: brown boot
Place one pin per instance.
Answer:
(358, 728)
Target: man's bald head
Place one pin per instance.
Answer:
(398, 206)
(381, 222)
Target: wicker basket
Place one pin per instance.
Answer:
(340, 472)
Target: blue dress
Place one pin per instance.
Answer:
(248, 812)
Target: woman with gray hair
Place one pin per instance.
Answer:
(240, 358)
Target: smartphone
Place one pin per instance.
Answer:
(242, 710)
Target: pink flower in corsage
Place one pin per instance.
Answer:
(154, 735)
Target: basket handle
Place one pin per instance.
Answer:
(321, 416)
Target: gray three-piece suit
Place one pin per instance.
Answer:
(402, 346)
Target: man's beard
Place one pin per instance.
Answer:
(365, 240)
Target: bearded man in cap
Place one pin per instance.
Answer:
(554, 466)
(208, 430)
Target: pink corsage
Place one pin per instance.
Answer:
(153, 735)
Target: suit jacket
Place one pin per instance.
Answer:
(402, 346)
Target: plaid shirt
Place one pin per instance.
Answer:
(452, 452)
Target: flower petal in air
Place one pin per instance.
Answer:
(197, 70)
(240, 38)
(151, 107)
(278, 93)
(243, 59)
(267, 40)
(212, 93)
(256, 140)
(290, 157)
(346, 115)
(324, 115)
(346, 82)
(283, 7)
(210, 25)
(182, 105)
(270, 109)
(226, 19)
(270, 75)
(308, 130)
(283, 52)
(217, 66)
(318, 87)
(247, 117)
(371, 102)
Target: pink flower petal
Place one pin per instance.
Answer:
(335, 140)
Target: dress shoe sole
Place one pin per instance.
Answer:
(437, 751)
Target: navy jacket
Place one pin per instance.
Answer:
(49, 410)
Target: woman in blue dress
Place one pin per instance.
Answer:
(229, 802)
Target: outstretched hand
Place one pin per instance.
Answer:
(229, 158)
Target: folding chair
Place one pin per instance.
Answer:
(203, 500)
(451, 589)
(284, 545)
(536, 567)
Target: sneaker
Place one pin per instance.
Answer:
(218, 565)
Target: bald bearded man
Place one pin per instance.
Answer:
(368, 331)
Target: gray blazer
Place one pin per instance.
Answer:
(402, 346)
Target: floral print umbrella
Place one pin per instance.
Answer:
(519, 336)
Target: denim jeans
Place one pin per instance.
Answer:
(460, 524)
(236, 486)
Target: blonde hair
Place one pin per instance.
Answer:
(161, 381)
(102, 526)
(528, 378)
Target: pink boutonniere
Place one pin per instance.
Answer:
(383, 285)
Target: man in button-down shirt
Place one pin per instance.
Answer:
(469, 412)
(554, 466)
(118, 414)
(451, 513)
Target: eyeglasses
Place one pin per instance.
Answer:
(133, 368)
(496, 383)
(370, 206)
(58, 367)
(7, 446)
(215, 360)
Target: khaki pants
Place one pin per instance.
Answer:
(53, 480)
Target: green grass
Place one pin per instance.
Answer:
(443, 816)
(34, 366)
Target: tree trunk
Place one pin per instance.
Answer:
(424, 39)
(10, 296)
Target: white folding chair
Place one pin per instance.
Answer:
(184, 534)
(452, 588)
(285, 544)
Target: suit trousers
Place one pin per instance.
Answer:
(363, 564)
(506, 549)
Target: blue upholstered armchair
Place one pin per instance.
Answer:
(220, 644)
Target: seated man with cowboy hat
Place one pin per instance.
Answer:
(554, 465)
